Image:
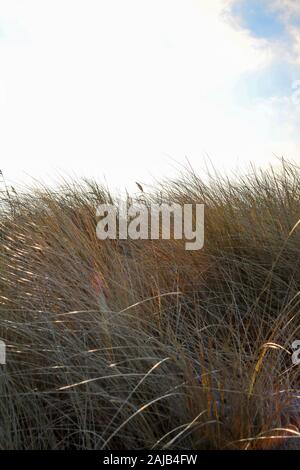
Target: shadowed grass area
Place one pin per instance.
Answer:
(141, 344)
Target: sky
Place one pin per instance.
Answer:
(132, 90)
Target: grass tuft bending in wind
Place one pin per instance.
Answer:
(141, 344)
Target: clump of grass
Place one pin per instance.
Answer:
(141, 344)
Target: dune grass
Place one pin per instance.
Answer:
(174, 349)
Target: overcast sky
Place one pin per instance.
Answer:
(124, 88)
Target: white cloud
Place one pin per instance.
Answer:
(113, 87)
(288, 7)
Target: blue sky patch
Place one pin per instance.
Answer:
(295, 21)
(273, 81)
(259, 18)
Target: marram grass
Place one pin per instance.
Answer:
(141, 344)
